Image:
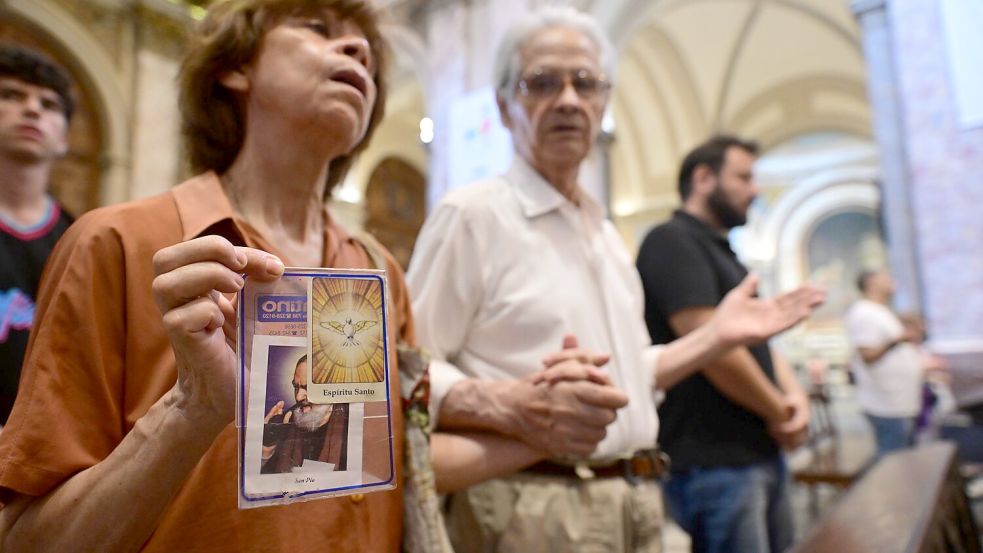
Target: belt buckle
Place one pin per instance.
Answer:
(659, 462)
(629, 466)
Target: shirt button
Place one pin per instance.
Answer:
(357, 498)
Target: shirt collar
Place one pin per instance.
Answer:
(201, 204)
(538, 197)
(700, 226)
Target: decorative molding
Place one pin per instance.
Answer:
(681, 116)
(799, 116)
(411, 57)
(726, 84)
(849, 36)
(106, 21)
(416, 12)
(661, 45)
(862, 8)
(163, 27)
(838, 188)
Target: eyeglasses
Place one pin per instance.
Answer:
(547, 83)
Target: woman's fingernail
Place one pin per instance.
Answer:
(274, 266)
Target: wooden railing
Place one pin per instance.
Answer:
(909, 502)
(832, 458)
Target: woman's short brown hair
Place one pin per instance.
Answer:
(228, 38)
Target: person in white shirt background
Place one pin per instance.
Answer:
(888, 367)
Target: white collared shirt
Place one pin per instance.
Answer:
(503, 268)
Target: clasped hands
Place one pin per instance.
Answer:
(564, 409)
(794, 430)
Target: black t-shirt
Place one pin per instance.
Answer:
(22, 256)
(684, 263)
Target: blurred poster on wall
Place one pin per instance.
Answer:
(479, 147)
(962, 21)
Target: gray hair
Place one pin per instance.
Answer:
(507, 61)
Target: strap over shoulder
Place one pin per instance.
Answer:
(377, 258)
(424, 530)
(413, 362)
(374, 248)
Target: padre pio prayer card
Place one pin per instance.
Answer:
(313, 401)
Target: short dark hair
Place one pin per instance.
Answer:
(862, 279)
(36, 69)
(711, 153)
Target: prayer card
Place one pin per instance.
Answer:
(313, 402)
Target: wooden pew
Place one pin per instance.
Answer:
(833, 458)
(911, 501)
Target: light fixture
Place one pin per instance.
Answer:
(426, 130)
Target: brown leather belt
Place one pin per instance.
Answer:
(648, 464)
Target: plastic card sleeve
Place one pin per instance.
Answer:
(313, 401)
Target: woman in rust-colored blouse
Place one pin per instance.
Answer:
(122, 436)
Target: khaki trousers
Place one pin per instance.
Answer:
(530, 513)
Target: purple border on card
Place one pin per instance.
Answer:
(243, 401)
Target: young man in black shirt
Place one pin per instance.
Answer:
(35, 106)
(724, 426)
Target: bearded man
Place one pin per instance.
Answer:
(729, 483)
(304, 432)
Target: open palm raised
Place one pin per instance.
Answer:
(742, 318)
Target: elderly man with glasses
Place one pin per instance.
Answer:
(530, 305)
